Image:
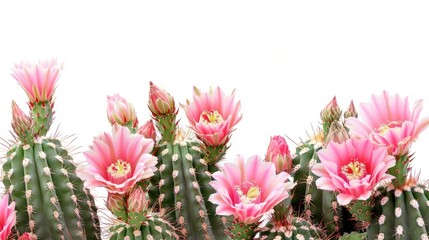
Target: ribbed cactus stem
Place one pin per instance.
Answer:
(42, 115)
(214, 153)
(361, 210)
(241, 231)
(400, 170)
(49, 200)
(154, 228)
(166, 125)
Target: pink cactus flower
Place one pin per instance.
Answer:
(213, 115)
(352, 168)
(278, 153)
(7, 217)
(388, 121)
(118, 161)
(248, 189)
(160, 101)
(38, 79)
(120, 111)
(148, 130)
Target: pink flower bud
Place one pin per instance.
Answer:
(21, 123)
(337, 133)
(351, 111)
(116, 203)
(148, 130)
(160, 101)
(120, 111)
(331, 112)
(278, 153)
(137, 201)
(27, 236)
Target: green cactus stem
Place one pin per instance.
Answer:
(181, 190)
(361, 210)
(241, 231)
(401, 213)
(318, 206)
(154, 228)
(50, 199)
(299, 228)
(166, 125)
(400, 170)
(214, 153)
(42, 114)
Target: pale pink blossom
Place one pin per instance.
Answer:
(121, 111)
(213, 115)
(38, 79)
(7, 217)
(248, 189)
(352, 168)
(118, 161)
(388, 121)
(278, 153)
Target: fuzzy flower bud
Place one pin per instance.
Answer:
(116, 204)
(148, 130)
(160, 101)
(278, 153)
(21, 122)
(120, 111)
(331, 112)
(351, 111)
(137, 202)
(337, 133)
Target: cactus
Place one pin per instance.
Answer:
(315, 205)
(154, 228)
(284, 225)
(181, 189)
(354, 236)
(39, 174)
(401, 213)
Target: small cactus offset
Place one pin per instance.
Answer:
(39, 174)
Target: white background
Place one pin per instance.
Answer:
(286, 60)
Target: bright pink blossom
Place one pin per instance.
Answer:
(118, 161)
(278, 153)
(388, 121)
(352, 168)
(248, 189)
(7, 217)
(121, 111)
(213, 115)
(38, 79)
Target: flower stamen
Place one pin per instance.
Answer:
(211, 117)
(354, 170)
(119, 169)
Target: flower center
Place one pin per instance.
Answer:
(252, 194)
(354, 170)
(384, 128)
(119, 169)
(211, 117)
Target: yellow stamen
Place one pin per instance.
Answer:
(211, 117)
(354, 170)
(119, 169)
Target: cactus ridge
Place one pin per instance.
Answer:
(50, 199)
(317, 206)
(154, 228)
(401, 213)
(183, 185)
(299, 229)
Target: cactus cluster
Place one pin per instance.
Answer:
(39, 173)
